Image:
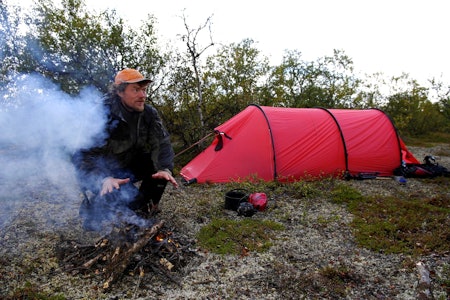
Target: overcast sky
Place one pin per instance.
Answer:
(388, 36)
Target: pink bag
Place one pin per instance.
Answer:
(258, 200)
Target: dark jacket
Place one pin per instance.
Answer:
(123, 144)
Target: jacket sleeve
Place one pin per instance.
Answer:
(162, 156)
(91, 167)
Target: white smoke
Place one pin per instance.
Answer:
(40, 128)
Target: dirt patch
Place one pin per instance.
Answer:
(314, 257)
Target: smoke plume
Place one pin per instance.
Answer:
(40, 128)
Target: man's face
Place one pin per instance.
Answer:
(133, 97)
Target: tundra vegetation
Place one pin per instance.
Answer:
(321, 238)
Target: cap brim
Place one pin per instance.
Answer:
(139, 80)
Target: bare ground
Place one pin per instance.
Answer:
(316, 237)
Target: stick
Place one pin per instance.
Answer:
(92, 261)
(120, 262)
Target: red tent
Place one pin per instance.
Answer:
(273, 143)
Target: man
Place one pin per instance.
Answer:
(137, 149)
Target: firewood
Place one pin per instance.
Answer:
(120, 260)
(92, 261)
(127, 248)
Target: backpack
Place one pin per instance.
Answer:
(429, 169)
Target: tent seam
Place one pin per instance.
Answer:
(347, 172)
(275, 173)
(396, 134)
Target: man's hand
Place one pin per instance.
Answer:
(167, 176)
(110, 183)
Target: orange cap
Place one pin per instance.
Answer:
(129, 76)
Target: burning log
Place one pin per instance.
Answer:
(121, 259)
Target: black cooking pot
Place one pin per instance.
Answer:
(235, 197)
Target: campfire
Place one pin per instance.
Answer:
(127, 250)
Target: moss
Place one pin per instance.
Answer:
(238, 237)
(31, 291)
(402, 225)
(342, 193)
(444, 278)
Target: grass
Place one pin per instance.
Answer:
(429, 140)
